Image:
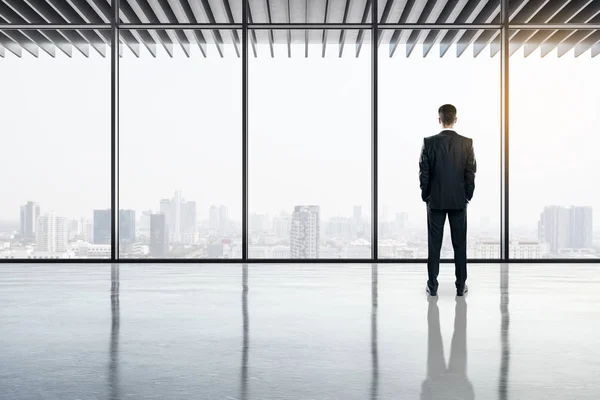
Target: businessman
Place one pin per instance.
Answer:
(447, 176)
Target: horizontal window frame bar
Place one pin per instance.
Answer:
(293, 261)
(305, 26)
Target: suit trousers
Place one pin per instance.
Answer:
(435, 234)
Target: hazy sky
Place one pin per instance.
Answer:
(309, 127)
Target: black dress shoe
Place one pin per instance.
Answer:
(463, 291)
(430, 291)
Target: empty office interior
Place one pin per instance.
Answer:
(220, 199)
(288, 134)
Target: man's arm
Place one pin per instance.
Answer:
(424, 172)
(470, 171)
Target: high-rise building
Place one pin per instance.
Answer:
(159, 236)
(188, 221)
(87, 229)
(282, 225)
(180, 216)
(102, 226)
(74, 229)
(145, 222)
(566, 227)
(126, 226)
(29, 215)
(52, 233)
(304, 235)
(581, 235)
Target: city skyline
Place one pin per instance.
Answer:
(297, 233)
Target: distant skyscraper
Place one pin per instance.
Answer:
(145, 222)
(52, 233)
(29, 215)
(566, 227)
(282, 225)
(87, 229)
(126, 226)
(188, 217)
(223, 220)
(159, 236)
(581, 235)
(102, 227)
(304, 235)
(180, 216)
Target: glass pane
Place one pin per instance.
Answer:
(180, 145)
(309, 145)
(298, 12)
(181, 11)
(55, 143)
(554, 120)
(438, 11)
(418, 72)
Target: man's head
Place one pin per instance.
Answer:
(447, 115)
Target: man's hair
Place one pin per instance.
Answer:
(447, 114)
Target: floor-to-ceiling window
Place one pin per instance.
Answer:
(180, 145)
(554, 126)
(309, 145)
(55, 152)
(420, 70)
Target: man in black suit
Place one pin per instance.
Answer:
(447, 175)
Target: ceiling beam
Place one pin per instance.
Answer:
(361, 33)
(146, 12)
(567, 14)
(490, 12)
(10, 45)
(270, 32)
(215, 32)
(189, 15)
(49, 15)
(548, 14)
(325, 31)
(588, 43)
(23, 42)
(252, 33)
(8, 16)
(444, 17)
(26, 13)
(588, 15)
(343, 32)
(415, 34)
(395, 40)
(170, 17)
(289, 32)
(448, 39)
(235, 37)
(65, 12)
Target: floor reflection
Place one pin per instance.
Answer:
(246, 327)
(374, 350)
(504, 326)
(447, 382)
(113, 370)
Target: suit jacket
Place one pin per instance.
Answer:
(447, 170)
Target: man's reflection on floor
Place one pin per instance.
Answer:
(451, 382)
(113, 372)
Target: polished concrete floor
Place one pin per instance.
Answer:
(298, 332)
